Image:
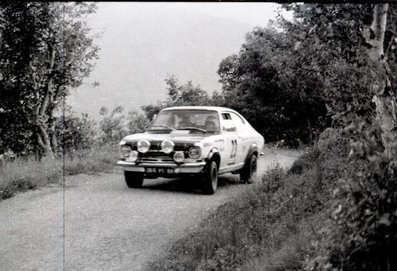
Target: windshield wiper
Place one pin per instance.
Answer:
(164, 126)
(192, 128)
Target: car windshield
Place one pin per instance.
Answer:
(200, 121)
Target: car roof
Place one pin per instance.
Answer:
(213, 108)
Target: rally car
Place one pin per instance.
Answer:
(199, 141)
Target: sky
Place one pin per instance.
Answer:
(143, 42)
(251, 13)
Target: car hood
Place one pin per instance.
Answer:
(176, 136)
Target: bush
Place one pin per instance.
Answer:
(16, 133)
(305, 162)
(75, 133)
(137, 122)
(361, 233)
(113, 126)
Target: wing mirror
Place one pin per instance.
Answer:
(154, 117)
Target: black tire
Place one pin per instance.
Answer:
(210, 178)
(133, 180)
(249, 172)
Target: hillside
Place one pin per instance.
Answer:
(138, 52)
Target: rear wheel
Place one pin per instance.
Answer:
(133, 180)
(211, 178)
(249, 172)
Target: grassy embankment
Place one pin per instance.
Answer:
(270, 227)
(24, 174)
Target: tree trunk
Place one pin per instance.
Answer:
(51, 126)
(384, 98)
(43, 139)
(42, 123)
(42, 119)
(54, 142)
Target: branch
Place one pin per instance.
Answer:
(389, 45)
(48, 87)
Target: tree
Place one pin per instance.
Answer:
(45, 49)
(152, 109)
(75, 133)
(275, 86)
(112, 126)
(178, 95)
(137, 122)
(385, 95)
(362, 41)
(186, 94)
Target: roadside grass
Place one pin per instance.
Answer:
(269, 227)
(23, 174)
(100, 159)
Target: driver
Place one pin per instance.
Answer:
(185, 122)
(210, 124)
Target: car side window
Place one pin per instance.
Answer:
(228, 123)
(226, 116)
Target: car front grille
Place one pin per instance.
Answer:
(155, 156)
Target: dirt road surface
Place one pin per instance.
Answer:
(97, 223)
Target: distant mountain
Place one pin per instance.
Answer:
(139, 52)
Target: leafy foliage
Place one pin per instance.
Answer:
(112, 126)
(275, 86)
(182, 94)
(360, 233)
(137, 122)
(75, 133)
(300, 74)
(45, 49)
(186, 94)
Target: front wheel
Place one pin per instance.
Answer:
(211, 178)
(249, 172)
(133, 180)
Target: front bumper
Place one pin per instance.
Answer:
(185, 168)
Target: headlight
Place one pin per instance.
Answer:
(125, 151)
(194, 152)
(179, 156)
(143, 146)
(167, 146)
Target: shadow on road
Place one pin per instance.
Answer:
(187, 185)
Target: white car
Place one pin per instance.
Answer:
(201, 141)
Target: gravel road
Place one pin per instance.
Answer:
(105, 226)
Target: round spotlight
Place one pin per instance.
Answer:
(179, 156)
(124, 151)
(194, 152)
(143, 146)
(167, 146)
(133, 156)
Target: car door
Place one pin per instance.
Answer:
(229, 133)
(243, 141)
